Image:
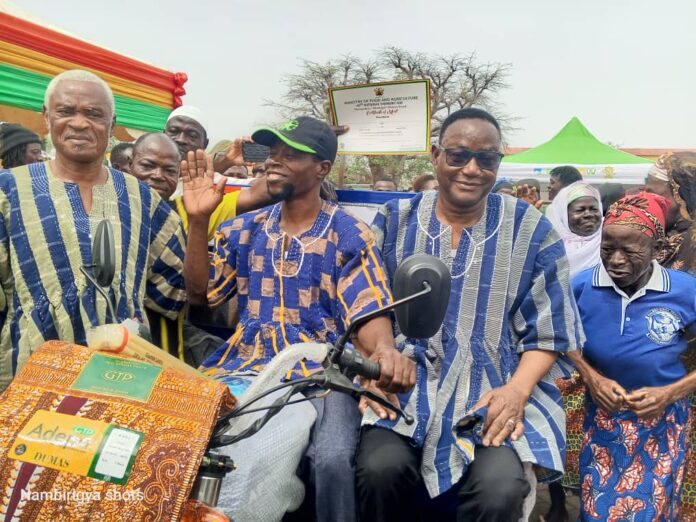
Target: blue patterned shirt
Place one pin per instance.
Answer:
(291, 289)
(510, 293)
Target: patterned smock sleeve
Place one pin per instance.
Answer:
(165, 290)
(362, 283)
(222, 284)
(545, 316)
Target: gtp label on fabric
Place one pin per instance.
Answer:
(108, 375)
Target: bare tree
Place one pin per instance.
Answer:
(456, 81)
(307, 91)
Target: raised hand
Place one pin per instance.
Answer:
(528, 193)
(201, 194)
(233, 154)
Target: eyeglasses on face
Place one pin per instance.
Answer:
(461, 156)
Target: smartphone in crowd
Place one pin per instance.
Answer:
(254, 152)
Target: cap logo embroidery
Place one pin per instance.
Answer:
(290, 125)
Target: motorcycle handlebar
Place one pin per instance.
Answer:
(353, 361)
(371, 370)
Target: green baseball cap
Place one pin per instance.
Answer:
(305, 134)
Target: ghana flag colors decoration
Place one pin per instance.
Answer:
(31, 54)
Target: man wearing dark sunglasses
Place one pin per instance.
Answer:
(486, 409)
(466, 176)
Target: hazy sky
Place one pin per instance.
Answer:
(624, 67)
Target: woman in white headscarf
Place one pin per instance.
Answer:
(576, 214)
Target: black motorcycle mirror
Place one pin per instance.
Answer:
(103, 268)
(104, 253)
(421, 295)
(421, 317)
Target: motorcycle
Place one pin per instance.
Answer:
(421, 289)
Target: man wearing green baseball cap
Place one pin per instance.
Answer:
(302, 270)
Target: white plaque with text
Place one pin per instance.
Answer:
(384, 118)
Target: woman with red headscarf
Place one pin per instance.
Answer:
(635, 314)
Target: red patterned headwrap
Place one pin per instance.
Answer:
(643, 211)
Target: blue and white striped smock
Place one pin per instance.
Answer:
(46, 235)
(510, 294)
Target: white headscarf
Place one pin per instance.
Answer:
(582, 251)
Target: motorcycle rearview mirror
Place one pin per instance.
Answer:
(422, 317)
(421, 295)
(103, 268)
(104, 253)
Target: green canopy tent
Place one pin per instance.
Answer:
(577, 146)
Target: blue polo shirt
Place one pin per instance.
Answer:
(636, 341)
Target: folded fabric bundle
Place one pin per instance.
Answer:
(98, 436)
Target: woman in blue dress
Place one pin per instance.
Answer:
(635, 314)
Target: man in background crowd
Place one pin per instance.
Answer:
(425, 182)
(18, 146)
(237, 172)
(384, 184)
(121, 155)
(156, 162)
(529, 190)
(186, 125)
(611, 193)
(504, 186)
(561, 177)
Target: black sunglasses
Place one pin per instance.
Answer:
(461, 156)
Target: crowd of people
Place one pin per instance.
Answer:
(594, 287)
